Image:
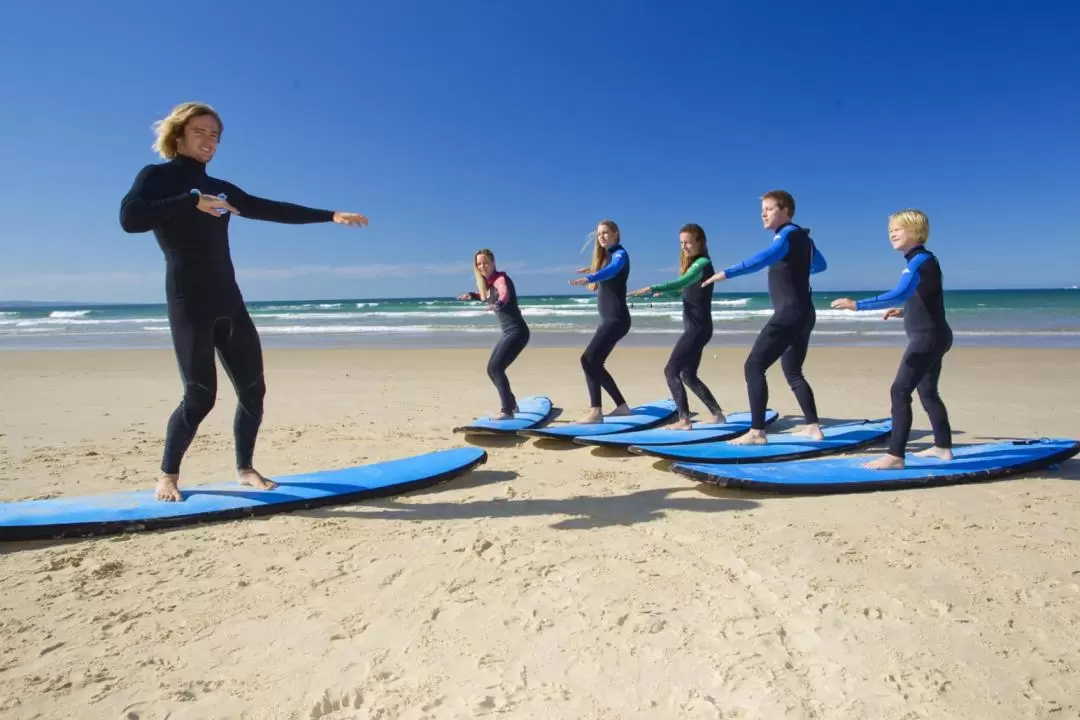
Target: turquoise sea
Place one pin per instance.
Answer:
(1043, 318)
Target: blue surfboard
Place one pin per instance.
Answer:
(839, 438)
(970, 463)
(138, 510)
(640, 417)
(532, 412)
(737, 424)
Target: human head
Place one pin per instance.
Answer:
(607, 235)
(483, 266)
(908, 228)
(191, 129)
(777, 209)
(692, 243)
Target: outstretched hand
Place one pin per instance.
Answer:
(718, 277)
(639, 292)
(584, 270)
(893, 313)
(579, 281)
(215, 206)
(350, 218)
(843, 304)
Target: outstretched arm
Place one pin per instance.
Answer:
(693, 274)
(771, 254)
(909, 280)
(258, 208)
(139, 214)
(614, 266)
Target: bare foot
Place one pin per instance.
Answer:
(167, 489)
(680, 424)
(811, 431)
(593, 416)
(500, 415)
(754, 437)
(251, 477)
(621, 410)
(719, 419)
(885, 462)
(936, 452)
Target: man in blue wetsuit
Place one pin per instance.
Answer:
(791, 258)
(188, 212)
(929, 338)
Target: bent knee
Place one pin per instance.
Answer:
(901, 391)
(198, 402)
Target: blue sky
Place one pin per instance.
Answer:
(516, 126)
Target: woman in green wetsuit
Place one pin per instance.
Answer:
(682, 366)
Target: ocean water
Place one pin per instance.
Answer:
(1028, 318)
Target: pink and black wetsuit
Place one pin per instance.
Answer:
(502, 296)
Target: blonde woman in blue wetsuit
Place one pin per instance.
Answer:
(607, 275)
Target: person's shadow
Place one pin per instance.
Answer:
(582, 512)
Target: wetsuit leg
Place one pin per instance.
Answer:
(592, 362)
(691, 379)
(240, 351)
(682, 369)
(770, 345)
(503, 354)
(792, 364)
(193, 342)
(932, 402)
(919, 369)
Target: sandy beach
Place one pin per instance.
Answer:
(551, 582)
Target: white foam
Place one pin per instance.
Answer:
(69, 313)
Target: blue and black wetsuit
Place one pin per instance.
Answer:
(929, 338)
(614, 325)
(682, 366)
(515, 335)
(791, 258)
(206, 310)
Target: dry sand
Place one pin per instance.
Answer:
(550, 583)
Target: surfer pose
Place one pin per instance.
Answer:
(791, 258)
(929, 338)
(607, 275)
(188, 212)
(682, 366)
(497, 289)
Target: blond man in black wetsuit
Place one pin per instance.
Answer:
(188, 212)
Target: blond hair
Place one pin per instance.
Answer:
(600, 253)
(915, 221)
(171, 129)
(481, 281)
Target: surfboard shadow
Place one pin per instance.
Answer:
(475, 479)
(580, 513)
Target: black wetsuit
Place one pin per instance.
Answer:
(206, 310)
(614, 325)
(515, 336)
(682, 366)
(929, 338)
(791, 258)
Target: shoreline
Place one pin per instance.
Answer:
(475, 339)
